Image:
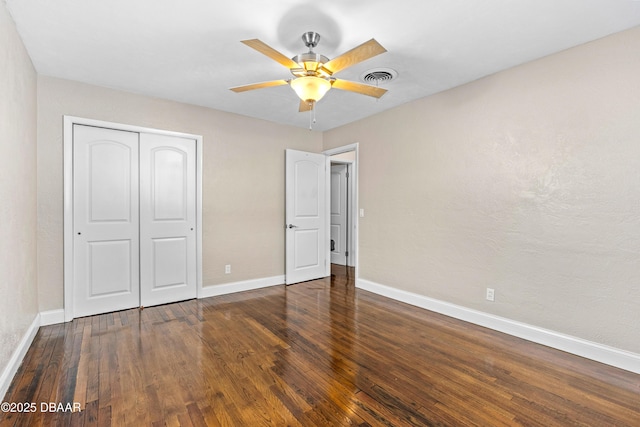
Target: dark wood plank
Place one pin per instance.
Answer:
(317, 353)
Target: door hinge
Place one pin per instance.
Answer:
(347, 174)
(346, 253)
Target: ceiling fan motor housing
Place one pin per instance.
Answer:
(310, 62)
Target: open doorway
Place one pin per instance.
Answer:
(343, 208)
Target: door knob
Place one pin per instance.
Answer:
(293, 226)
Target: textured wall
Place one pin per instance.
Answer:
(527, 181)
(243, 174)
(18, 287)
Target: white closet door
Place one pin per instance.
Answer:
(167, 219)
(105, 209)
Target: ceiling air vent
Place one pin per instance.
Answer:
(378, 76)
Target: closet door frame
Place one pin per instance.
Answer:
(69, 122)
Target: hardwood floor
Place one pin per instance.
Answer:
(320, 353)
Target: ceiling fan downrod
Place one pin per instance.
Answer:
(311, 39)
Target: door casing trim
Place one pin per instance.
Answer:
(356, 186)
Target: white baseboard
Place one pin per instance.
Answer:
(245, 285)
(18, 354)
(601, 353)
(51, 317)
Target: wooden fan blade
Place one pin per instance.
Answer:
(306, 106)
(358, 54)
(253, 86)
(267, 50)
(373, 91)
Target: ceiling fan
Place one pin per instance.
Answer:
(313, 73)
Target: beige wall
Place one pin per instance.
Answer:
(527, 181)
(243, 174)
(18, 287)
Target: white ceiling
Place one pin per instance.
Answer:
(190, 50)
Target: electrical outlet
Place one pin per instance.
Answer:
(227, 269)
(491, 293)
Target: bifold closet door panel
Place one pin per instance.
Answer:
(167, 219)
(106, 220)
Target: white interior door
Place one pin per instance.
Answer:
(105, 210)
(167, 219)
(339, 217)
(307, 222)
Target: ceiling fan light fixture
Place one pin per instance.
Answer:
(313, 73)
(310, 88)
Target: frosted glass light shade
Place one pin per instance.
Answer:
(310, 88)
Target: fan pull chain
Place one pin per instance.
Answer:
(312, 115)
